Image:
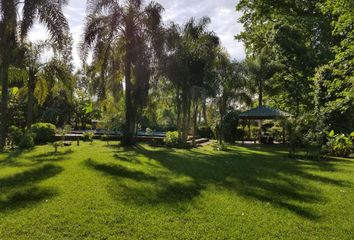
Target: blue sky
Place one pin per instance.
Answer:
(222, 13)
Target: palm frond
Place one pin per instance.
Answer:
(51, 15)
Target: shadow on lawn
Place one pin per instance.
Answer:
(18, 158)
(20, 190)
(115, 170)
(256, 174)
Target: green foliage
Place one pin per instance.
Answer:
(220, 147)
(27, 140)
(338, 145)
(88, 136)
(43, 132)
(205, 132)
(303, 132)
(15, 135)
(172, 139)
(230, 127)
(148, 131)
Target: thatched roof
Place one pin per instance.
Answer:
(263, 112)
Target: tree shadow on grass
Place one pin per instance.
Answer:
(30, 176)
(253, 174)
(20, 190)
(17, 159)
(119, 171)
(25, 197)
(149, 189)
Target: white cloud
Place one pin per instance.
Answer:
(222, 13)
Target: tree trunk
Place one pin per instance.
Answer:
(185, 117)
(195, 121)
(204, 112)
(260, 97)
(130, 110)
(4, 104)
(178, 111)
(30, 102)
(222, 109)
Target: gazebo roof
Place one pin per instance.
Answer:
(263, 112)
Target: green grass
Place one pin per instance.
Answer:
(108, 192)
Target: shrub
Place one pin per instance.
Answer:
(220, 147)
(205, 132)
(27, 141)
(43, 132)
(338, 145)
(240, 134)
(15, 135)
(171, 139)
(230, 127)
(149, 131)
(276, 132)
(88, 136)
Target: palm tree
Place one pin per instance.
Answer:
(233, 87)
(49, 13)
(260, 70)
(128, 34)
(190, 67)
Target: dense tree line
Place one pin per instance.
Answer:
(311, 44)
(139, 72)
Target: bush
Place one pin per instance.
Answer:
(88, 136)
(338, 145)
(27, 141)
(240, 134)
(171, 139)
(205, 132)
(149, 131)
(15, 135)
(230, 127)
(43, 132)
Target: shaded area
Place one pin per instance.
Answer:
(20, 190)
(120, 171)
(30, 176)
(25, 197)
(256, 174)
(18, 159)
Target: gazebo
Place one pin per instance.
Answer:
(262, 113)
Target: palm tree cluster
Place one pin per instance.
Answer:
(136, 70)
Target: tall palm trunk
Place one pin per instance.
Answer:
(30, 102)
(130, 111)
(222, 109)
(4, 68)
(204, 111)
(195, 121)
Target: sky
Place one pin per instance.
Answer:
(222, 13)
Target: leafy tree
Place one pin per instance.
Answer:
(190, 67)
(298, 36)
(260, 71)
(334, 81)
(128, 35)
(233, 89)
(49, 13)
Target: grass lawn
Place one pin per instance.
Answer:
(108, 192)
